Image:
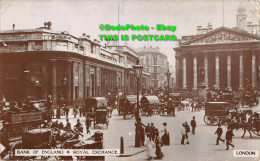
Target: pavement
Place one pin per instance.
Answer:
(202, 144)
(201, 148)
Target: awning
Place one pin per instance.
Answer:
(133, 98)
(150, 100)
(100, 101)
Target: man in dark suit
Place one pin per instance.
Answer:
(219, 133)
(148, 131)
(193, 125)
(152, 131)
(229, 135)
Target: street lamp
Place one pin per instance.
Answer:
(138, 73)
(168, 76)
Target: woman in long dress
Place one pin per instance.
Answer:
(159, 145)
(165, 137)
(150, 150)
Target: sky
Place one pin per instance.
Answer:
(85, 16)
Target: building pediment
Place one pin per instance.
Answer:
(223, 35)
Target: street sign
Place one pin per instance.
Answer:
(25, 117)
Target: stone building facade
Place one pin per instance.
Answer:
(230, 57)
(41, 62)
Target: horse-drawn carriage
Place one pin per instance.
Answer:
(176, 99)
(127, 106)
(256, 124)
(14, 124)
(216, 112)
(95, 108)
(150, 104)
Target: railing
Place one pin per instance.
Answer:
(10, 49)
(13, 49)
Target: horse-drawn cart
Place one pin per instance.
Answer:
(96, 109)
(150, 104)
(216, 112)
(127, 106)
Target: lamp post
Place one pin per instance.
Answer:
(168, 76)
(138, 73)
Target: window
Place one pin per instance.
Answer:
(38, 43)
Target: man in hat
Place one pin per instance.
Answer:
(183, 133)
(187, 129)
(152, 131)
(88, 124)
(193, 125)
(219, 133)
(148, 131)
(78, 126)
(229, 135)
(68, 125)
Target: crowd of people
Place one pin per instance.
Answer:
(65, 111)
(151, 138)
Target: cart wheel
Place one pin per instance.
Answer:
(207, 120)
(215, 120)
(16, 145)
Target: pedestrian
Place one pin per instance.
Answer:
(66, 109)
(219, 132)
(149, 150)
(61, 126)
(142, 136)
(78, 126)
(75, 111)
(88, 124)
(152, 132)
(187, 130)
(68, 125)
(193, 125)
(183, 133)
(165, 137)
(80, 111)
(148, 131)
(158, 145)
(229, 135)
(58, 112)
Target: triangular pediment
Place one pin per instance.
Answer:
(223, 35)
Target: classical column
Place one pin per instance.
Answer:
(195, 72)
(217, 70)
(253, 70)
(177, 72)
(206, 78)
(229, 71)
(54, 80)
(184, 84)
(241, 72)
(68, 93)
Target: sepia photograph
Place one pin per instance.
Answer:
(130, 80)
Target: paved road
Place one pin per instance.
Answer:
(202, 145)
